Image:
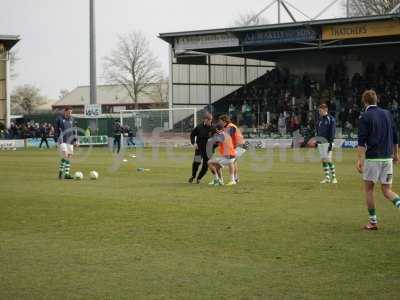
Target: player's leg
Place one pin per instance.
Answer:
(231, 168)
(212, 170)
(332, 168)
(390, 195)
(323, 151)
(47, 143)
(371, 174)
(63, 154)
(114, 144)
(195, 165)
(236, 171)
(215, 168)
(219, 172)
(118, 145)
(369, 200)
(61, 169)
(239, 153)
(67, 161)
(204, 166)
(386, 178)
(325, 167)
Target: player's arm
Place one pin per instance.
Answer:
(332, 133)
(232, 132)
(362, 141)
(193, 136)
(396, 157)
(395, 143)
(360, 158)
(75, 135)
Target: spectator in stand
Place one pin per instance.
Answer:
(88, 132)
(247, 114)
(282, 124)
(232, 111)
(294, 123)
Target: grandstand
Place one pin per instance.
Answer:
(261, 74)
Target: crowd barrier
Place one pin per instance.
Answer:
(84, 141)
(104, 141)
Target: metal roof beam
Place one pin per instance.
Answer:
(296, 9)
(395, 9)
(326, 9)
(320, 47)
(335, 21)
(255, 17)
(288, 11)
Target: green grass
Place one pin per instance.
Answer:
(129, 235)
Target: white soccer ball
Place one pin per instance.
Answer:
(94, 175)
(78, 176)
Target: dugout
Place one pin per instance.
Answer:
(217, 67)
(6, 43)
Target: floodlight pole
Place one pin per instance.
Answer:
(93, 81)
(8, 91)
(348, 8)
(93, 96)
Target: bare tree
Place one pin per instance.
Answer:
(13, 61)
(161, 90)
(133, 65)
(371, 7)
(26, 98)
(63, 93)
(249, 19)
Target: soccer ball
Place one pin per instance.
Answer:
(94, 175)
(78, 176)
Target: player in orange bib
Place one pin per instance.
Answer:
(237, 140)
(227, 156)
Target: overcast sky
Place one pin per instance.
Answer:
(54, 50)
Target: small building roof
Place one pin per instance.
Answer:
(112, 95)
(9, 41)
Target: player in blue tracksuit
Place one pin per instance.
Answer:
(377, 150)
(326, 131)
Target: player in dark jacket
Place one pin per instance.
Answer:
(64, 130)
(326, 131)
(198, 138)
(117, 132)
(44, 134)
(377, 151)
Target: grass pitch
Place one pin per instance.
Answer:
(279, 234)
